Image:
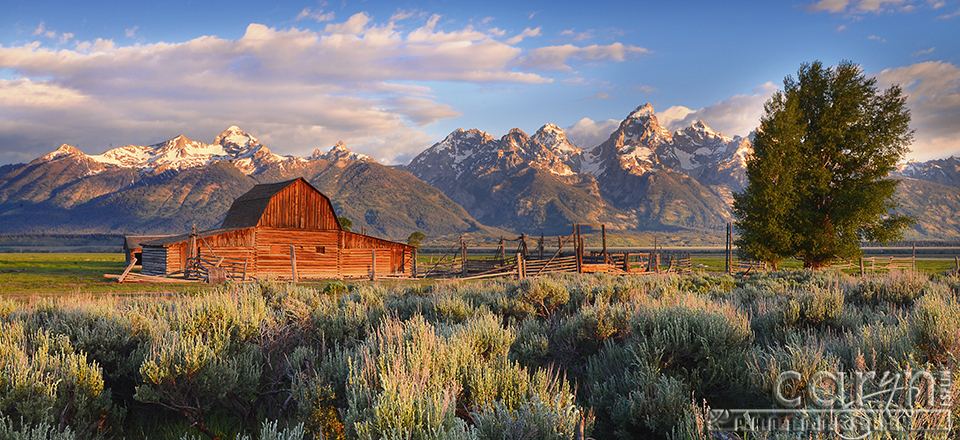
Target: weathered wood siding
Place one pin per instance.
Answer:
(299, 206)
(154, 261)
(316, 253)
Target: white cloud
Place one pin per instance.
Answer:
(402, 15)
(933, 90)
(526, 33)
(737, 116)
(317, 16)
(856, 7)
(597, 96)
(949, 16)
(357, 81)
(924, 52)
(132, 32)
(578, 36)
(587, 133)
(557, 57)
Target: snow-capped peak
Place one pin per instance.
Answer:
(338, 152)
(553, 138)
(181, 153)
(234, 140)
(644, 111)
(64, 150)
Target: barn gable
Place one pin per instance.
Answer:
(294, 204)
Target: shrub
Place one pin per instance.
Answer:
(109, 333)
(422, 381)
(935, 321)
(543, 294)
(403, 382)
(895, 287)
(531, 347)
(341, 320)
(42, 431)
(633, 399)
(557, 418)
(804, 353)
(268, 431)
(319, 387)
(202, 353)
(44, 381)
(695, 339)
(190, 373)
(815, 307)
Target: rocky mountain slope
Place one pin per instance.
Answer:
(169, 187)
(643, 177)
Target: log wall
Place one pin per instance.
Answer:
(318, 253)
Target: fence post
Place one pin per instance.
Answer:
(520, 273)
(861, 267)
(729, 247)
(463, 257)
(293, 263)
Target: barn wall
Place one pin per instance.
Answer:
(319, 254)
(154, 261)
(299, 206)
(316, 253)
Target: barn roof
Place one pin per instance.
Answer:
(246, 210)
(171, 239)
(134, 241)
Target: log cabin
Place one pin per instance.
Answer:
(282, 230)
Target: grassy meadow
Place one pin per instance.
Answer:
(563, 356)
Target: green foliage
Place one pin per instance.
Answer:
(896, 287)
(818, 176)
(415, 238)
(647, 355)
(44, 381)
(345, 223)
(935, 323)
(815, 306)
(202, 354)
(805, 353)
(42, 431)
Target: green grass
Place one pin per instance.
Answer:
(52, 274)
(927, 266)
(24, 275)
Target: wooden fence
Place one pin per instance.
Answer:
(214, 269)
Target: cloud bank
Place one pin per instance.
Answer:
(356, 81)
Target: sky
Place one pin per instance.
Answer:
(391, 78)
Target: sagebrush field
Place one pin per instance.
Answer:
(569, 356)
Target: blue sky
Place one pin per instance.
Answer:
(391, 78)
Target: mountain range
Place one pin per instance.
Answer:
(642, 178)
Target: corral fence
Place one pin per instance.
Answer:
(527, 255)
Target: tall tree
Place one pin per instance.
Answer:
(819, 175)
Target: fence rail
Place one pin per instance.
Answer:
(214, 269)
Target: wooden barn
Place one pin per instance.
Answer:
(281, 230)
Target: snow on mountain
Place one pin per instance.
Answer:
(632, 147)
(181, 153)
(64, 151)
(340, 152)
